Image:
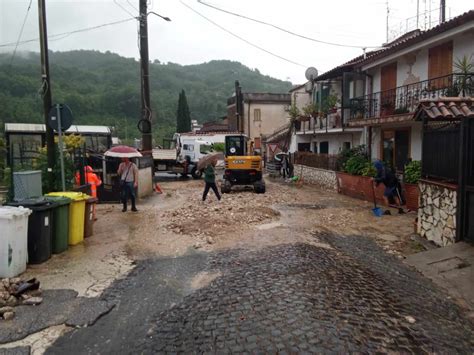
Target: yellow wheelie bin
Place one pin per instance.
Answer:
(76, 214)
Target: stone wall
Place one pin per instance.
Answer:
(320, 177)
(437, 212)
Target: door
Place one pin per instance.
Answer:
(396, 148)
(440, 66)
(466, 183)
(388, 84)
(402, 146)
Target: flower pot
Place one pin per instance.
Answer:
(412, 195)
(359, 187)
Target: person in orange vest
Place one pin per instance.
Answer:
(93, 180)
(90, 178)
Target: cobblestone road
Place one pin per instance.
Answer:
(292, 298)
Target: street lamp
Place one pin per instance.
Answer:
(163, 17)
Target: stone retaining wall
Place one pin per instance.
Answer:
(437, 212)
(320, 177)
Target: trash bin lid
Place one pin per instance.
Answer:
(92, 200)
(35, 204)
(10, 212)
(75, 196)
(58, 200)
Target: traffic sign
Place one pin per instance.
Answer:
(65, 117)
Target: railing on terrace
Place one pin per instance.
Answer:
(320, 161)
(405, 99)
(333, 120)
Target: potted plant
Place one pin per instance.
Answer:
(411, 176)
(310, 110)
(464, 83)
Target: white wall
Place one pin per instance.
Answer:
(463, 45)
(413, 67)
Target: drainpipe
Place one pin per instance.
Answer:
(370, 91)
(248, 119)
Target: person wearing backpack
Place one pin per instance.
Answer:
(128, 172)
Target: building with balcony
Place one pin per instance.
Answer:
(326, 130)
(419, 65)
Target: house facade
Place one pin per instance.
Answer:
(325, 131)
(417, 66)
(258, 115)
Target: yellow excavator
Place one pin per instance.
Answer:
(241, 168)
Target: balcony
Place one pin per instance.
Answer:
(405, 99)
(320, 124)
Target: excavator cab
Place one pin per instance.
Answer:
(240, 167)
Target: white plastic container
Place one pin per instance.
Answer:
(13, 240)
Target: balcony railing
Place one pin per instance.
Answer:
(333, 120)
(405, 99)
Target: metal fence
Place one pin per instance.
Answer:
(405, 99)
(320, 161)
(440, 159)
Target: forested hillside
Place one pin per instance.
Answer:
(104, 88)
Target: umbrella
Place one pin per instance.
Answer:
(208, 159)
(123, 151)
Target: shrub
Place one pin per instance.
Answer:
(355, 165)
(369, 170)
(346, 154)
(218, 147)
(412, 172)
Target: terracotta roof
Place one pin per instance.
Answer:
(414, 37)
(446, 108)
(400, 43)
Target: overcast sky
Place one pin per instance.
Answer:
(190, 39)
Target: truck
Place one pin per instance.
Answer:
(182, 156)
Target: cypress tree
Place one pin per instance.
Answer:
(183, 116)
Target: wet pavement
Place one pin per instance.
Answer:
(346, 296)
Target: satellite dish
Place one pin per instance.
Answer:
(311, 73)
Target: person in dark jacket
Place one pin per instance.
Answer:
(210, 179)
(385, 175)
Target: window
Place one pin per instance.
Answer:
(346, 145)
(204, 148)
(304, 147)
(189, 147)
(257, 115)
(324, 147)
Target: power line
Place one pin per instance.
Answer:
(21, 31)
(133, 6)
(283, 29)
(123, 8)
(65, 34)
(241, 38)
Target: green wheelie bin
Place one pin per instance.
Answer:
(61, 223)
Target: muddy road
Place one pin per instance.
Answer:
(178, 253)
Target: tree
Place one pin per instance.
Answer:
(183, 117)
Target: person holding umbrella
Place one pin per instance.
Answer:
(128, 172)
(208, 164)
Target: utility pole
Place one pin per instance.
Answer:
(442, 10)
(386, 29)
(46, 86)
(145, 79)
(417, 14)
